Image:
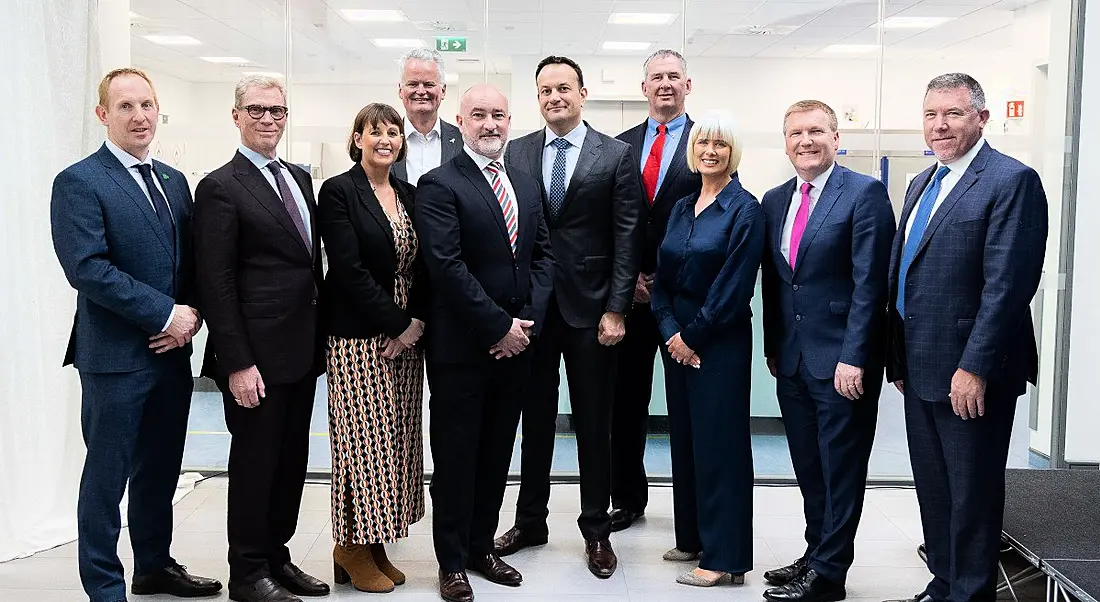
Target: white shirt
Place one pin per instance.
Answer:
(572, 153)
(424, 153)
(817, 185)
(483, 162)
(958, 168)
(261, 163)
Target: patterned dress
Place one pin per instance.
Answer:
(375, 408)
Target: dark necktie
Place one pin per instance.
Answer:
(288, 202)
(652, 171)
(556, 195)
(160, 205)
(920, 222)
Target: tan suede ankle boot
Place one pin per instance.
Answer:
(378, 551)
(356, 564)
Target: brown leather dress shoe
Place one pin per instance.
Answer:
(515, 540)
(496, 570)
(455, 587)
(601, 558)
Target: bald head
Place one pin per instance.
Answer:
(484, 120)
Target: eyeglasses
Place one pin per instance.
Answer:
(257, 111)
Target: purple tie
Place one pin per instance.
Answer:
(800, 220)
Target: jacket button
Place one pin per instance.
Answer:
(798, 318)
(513, 300)
(313, 302)
(795, 287)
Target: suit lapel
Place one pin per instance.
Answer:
(777, 228)
(122, 177)
(478, 181)
(825, 203)
(369, 200)
(401, 171)
(589, 154)
(250, 177)
(967, 180)
(450, 142)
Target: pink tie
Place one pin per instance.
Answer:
(800, 220)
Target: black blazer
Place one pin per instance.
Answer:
(679, 182)
(450, 145)
(258, 283)
(597, 237)
(357, 297)
(478, 285)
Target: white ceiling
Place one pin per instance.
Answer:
(327, 48)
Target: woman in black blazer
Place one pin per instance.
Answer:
(374, 297)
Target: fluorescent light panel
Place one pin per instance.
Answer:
(398, 42)
(264, 73)
(641, 18)
(383, 16)
(172, 40)
(850, 48)
(626, 45)
(225, 60)
(914, 22)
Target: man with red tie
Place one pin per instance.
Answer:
(659, 146)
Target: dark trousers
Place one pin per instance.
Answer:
(712, 475)
(830, 439)
(134, 426)
(590, 368)
(267, 470)
(630, 410)
(474, 413)
(959, 473)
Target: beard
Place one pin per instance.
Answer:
(487, 146)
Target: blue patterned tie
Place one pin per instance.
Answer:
(557, 177)
(920, 223)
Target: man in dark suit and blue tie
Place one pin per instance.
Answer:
(965, 264)
(828, 239)
(122, 232)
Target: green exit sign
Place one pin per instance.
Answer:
(445, 44)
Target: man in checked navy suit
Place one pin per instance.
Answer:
(964, 267)
(122, 232)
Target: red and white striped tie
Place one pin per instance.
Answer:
(507, 205)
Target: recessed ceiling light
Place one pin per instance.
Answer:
(641, 18)
(627, 45)
(850, 48)
(264, 73)
(914, 22)
(385, 16)
(398, 42)
(225, 60)
(172, 40)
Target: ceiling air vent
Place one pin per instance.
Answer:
(764, 30)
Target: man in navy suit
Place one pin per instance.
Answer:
(824, 291)
(964, 267)
(122, 232)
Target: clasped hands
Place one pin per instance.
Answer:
(515, 340)
(682, 353)
(406, 340)
(186, 322)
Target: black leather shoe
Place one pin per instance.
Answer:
(174, 580)
(496, 570)
(263, 590)
(784, 575)
(622, 519)
(809, 587)
(455, 587)
(922, 552)
(921, 597)
(515, 540)
(601, 558)
(298, 582)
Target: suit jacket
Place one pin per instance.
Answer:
(478, 285)
(357, 299)
(258, 282)
(127, 273)
(678, 183)
(597, 237)
(970, 285)
(450, 145)
(832, 307)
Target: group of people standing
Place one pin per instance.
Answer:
(485, 269)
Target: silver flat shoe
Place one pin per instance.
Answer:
(691, 578)
(678, 555)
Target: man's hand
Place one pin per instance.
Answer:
(773, 367)
(393, 348)
(186, 322)
(612, 329)
(900, 386)
(681, 352)
(643, 288)
(247, 387)
(967, 394)
(848, 381)
(412, 334)
(514, 342)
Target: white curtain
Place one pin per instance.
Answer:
(49, 52)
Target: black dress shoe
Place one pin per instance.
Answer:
(515, 540)
(263, 590)
(455, 587)
(601, 558)
(298, 582)
(784, 575)
(621, 519)
(810, 587)
(496, 570)
(921, 597)
(174, 580)
(922, 552)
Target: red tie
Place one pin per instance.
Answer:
(652, 169)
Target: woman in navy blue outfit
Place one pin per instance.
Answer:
(706, 274)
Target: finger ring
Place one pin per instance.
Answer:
(236, 400)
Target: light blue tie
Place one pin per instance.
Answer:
(916, 233)
(556, 195)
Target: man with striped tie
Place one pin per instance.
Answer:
(487, 251)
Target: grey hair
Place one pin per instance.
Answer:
(951, 81)
(430, 55)
(662, 54)
(255, 81)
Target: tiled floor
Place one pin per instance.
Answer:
(886, 565)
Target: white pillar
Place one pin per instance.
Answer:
(114, 34)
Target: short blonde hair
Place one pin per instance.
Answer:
(105, 83)
(717, 125)
(262, 82)
(803, 106)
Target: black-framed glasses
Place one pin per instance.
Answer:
(257, 111)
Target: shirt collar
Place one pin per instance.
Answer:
(412, 131)
(128, 161)
(960, 165)
(481, 160)
(819, 182)
(575, 137)
(673, 126)
(261, 162)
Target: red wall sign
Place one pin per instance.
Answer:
(1015, 109)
